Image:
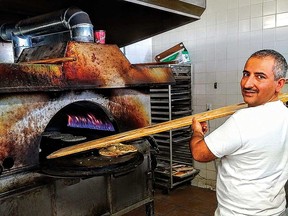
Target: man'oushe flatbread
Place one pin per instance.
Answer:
(73, 138)
(117, 150)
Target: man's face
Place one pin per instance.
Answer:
(257, 84)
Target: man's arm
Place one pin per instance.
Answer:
(200, 151)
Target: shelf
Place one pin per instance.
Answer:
(180, 173)
(168, 103)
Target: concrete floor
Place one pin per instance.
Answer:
(186, 200)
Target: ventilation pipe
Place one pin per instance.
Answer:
(76, 21)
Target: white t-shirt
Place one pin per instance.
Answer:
(253, 147)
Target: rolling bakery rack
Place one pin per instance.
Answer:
(174, 161)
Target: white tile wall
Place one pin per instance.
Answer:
(228, 32)
(140, 52)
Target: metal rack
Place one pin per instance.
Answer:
(174, 161)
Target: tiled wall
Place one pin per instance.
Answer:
(219, 44)
(139, 52)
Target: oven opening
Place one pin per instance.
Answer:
(75, 123)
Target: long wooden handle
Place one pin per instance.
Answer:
(152, 129)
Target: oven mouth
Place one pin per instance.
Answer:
(76, 123)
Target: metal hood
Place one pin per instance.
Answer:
(125, 21)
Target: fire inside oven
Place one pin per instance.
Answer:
(76, 123)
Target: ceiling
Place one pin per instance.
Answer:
(125, 21)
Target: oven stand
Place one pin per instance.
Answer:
(148, 202)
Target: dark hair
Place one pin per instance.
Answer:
(280, 67)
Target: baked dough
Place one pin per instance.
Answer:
(117, 150)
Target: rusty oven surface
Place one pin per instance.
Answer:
(48, 78)
(94, 66)
(23, 117)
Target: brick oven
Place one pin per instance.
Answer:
(83, 91)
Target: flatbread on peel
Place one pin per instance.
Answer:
(117, 150)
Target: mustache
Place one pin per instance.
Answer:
(249, 90)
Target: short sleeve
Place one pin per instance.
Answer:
(225, 140)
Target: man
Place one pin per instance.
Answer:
(252, 144)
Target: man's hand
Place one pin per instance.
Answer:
(199, 127)
(200, 151)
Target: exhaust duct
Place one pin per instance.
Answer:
(73, 20)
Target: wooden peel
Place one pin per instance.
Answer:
(152, 129)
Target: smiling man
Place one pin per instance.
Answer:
(252, 144)
(262, 80)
